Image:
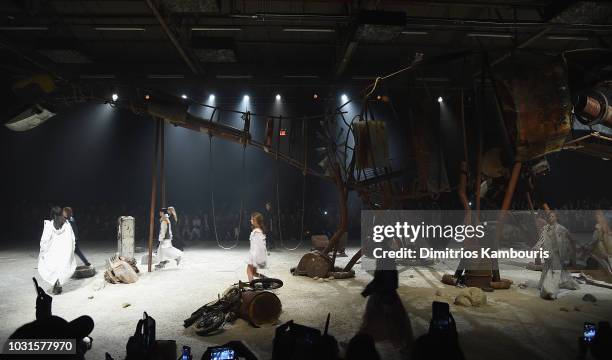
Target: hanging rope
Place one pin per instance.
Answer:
(280, 231)
(212, 195)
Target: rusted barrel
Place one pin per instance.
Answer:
(260, 307)
(314, 264)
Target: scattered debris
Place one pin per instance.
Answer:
(523, 285)
(99, 285)
(124, 305)
(331, 278)
(90, 297)
(576, 308)
(471, 297)
(439, 293)
(563, 309)
(315, 278)
(411, 276)
(121, 270)
(589, 298)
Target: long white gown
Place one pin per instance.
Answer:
(258, 254)
(56, 259)
(554, 275)
(166, 251)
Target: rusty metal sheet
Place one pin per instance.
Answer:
(536, 105)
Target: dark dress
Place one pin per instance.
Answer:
(177, 240)
(77, 251)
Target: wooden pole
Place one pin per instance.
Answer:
(162, 140)
(516, 171)
(353, 261)
(481, 104)
(342, 201)
(153, 192)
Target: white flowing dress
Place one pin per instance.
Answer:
(554, 274)
(166, 251)
(258, 254)
(56, 259)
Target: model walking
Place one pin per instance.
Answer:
(258, 254)
(56, 262)
(165, 251)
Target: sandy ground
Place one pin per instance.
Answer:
(515, 324)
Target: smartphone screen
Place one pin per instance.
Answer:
(222, 354)
(589, 331)
(440, 315)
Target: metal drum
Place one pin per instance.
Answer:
(260, 307)
(314, 264)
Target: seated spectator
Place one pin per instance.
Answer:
(55, 327)
(436, 346)
(385, 317)
(47, 326)
(361, 347)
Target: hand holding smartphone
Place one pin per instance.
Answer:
(590, 330)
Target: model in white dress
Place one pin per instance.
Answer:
(165, 251)
(258, 254)
(56, 261)
(554, 275)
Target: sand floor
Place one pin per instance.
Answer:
(515, 324)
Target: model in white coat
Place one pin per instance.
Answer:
(56, 262)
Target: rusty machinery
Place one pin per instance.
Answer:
(533, 103)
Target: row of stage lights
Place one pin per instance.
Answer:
(211, 97)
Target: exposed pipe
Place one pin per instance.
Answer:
(594, 110)
(172, 38)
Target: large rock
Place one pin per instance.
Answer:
(471, 297)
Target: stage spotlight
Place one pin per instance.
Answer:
(470, 203)
(324, 212)
(315, 96)
(245, 98)
(147, 97)
(278, 97)
(379, 97)
(211, 97)
(115, 97)
(344, 97)
(440, 99)
(184, 96)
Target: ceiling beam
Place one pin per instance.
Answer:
(194, 68)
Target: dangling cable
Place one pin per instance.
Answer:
(212, 196)
(280, 231)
